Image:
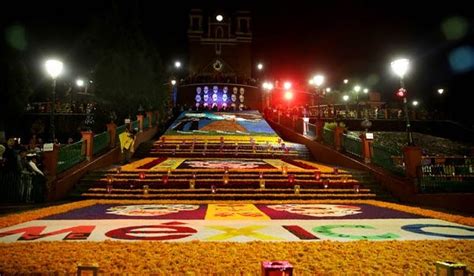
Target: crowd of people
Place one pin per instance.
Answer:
(21, 173)
(79, 107)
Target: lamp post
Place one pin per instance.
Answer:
(268, 87)
(54, 68)
(441, 106)
(174, 87)
(357, 89)
(317, 81)
(345, 98)
(400, 67)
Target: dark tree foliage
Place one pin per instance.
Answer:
(127, 69)
(15, 90)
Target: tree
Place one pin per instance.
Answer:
(127, 67)
(15, 88)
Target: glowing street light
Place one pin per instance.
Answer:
(260, 66)
(177, 64)
(345, 98)
(219, 17)
(346, 81)
(267, 86)
(79, 82)
(366, 90)
(54, 68)
(415, 103)
(328, 89)
(173, 82)
(287, 85)
(440, 91)
(400, 68)
(288, 95)
(318, 80)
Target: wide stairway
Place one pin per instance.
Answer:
(227, 166)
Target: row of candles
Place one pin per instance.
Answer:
(192, 181)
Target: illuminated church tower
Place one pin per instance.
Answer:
(220, 63)
(220, 45)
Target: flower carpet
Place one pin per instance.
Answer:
(169, 237)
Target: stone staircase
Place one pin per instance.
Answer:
(285, 172)
(219, 184)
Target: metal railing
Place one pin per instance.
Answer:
(71, 155)
(446, 174)
(352, 145)
(134, 124)
(146, 121)
(328, 136)
(388, 158)
(101, 142)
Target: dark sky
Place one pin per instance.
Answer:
(342, 39)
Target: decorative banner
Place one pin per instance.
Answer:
(241, 230)
(142, 212)
(240, 164)
(317, 210)
(234, 212)
(234, 222)
(150, 210)
(169, 163)
(331, 211)
(278, 163)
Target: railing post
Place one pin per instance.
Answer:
(338, 131)
(88, 137)
(140, 122)
(319, 130)
(412, 158)
(50, 161)
(366, 148)
(157, 116)
(149, 115)
(305, 125)
(293, 121)
(112, 129)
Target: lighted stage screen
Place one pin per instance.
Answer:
(219, 96)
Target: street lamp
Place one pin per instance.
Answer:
(54, 68)
(177, 64)
(260, 66)
(400, 67)
(345, 98)
(173, 84)
(441, 106)
(357, 89)
(318, 80)
(267, 86)
(79, 82)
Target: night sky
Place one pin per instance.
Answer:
(294, 39)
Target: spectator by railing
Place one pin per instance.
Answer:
(446, 174)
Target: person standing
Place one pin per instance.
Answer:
(38, 179)
(127, 144)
